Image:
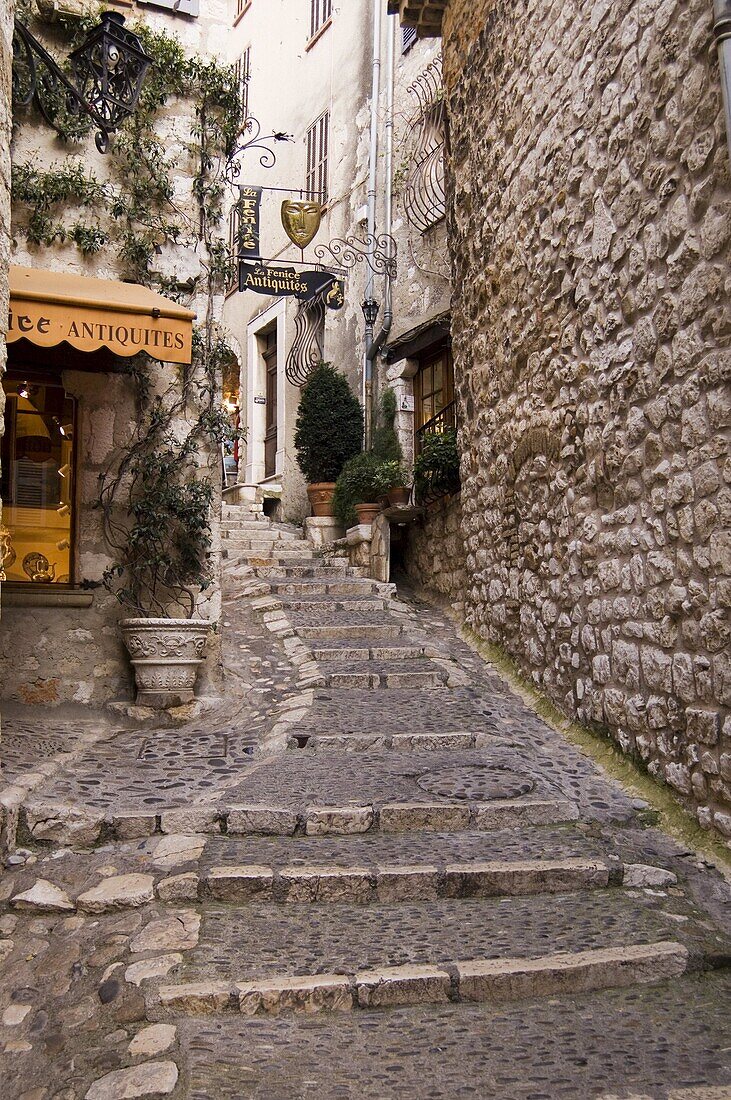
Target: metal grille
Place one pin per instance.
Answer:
(424, 196)
(320, 12)
(318, 137)
(307, 348)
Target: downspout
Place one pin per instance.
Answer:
(722, 34)
(373, 346)
(371, 201)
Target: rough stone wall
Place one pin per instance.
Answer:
(590, 216)
(58, 653)
(435, 552)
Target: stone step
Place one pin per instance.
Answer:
(317, 883)
(274, 556)
(360, 630)
(565, 1047)
(473, 980)
(375, 674)
(327, 604)
(317, 568)
(265, 541)
(314, 741)
(314, 586)
(346, 651)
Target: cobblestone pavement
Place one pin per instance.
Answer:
(369, 871)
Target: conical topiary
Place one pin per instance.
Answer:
(329, 427)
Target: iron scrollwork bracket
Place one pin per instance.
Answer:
(378, 252)
(253, 140)
(37, 78)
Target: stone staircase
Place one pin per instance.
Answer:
(428, 850)
(413, 864)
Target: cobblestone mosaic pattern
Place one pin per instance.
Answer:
(249, 942)
(661, 1038)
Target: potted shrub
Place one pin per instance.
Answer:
(436, 469)
(398, 488)
(156, 503)
(329, 431)
(359, 489)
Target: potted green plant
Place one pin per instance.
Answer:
(359, 488)
(329, 431)
(156, 504)
(397, 484)
(436, 469)
(387, 448)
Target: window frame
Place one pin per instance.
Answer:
(317, 168)
(242, 69)
(321, 15)
(16, 372)
(427, 360)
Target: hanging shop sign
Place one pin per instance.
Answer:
(249, 218)
(285, 282)
(301, 221)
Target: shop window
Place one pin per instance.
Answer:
(38, 466)
(317, 151)
(434, 404)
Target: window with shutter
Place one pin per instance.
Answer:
(320, 12)
(317, 156)
(408, 37)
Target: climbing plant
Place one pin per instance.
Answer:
(157, 491)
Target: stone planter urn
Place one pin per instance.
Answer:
(367, 512)
(166, 655)
(320, 495)
(399, 496)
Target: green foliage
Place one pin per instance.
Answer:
(137, 209)
(394, 474)
(363, 480)
(329, 427)
(385, 440)
(436, 469)
(157, 493)
(156, 501)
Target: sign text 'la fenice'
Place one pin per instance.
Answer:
(284, 282)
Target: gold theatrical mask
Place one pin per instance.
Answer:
(301, 221)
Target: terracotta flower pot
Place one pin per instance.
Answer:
(320, 495)
(398, 495)
(367, 512)
(166, 655)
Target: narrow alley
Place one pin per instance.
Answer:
(375, 872)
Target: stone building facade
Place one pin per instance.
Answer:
(60, 642)
(589, 223)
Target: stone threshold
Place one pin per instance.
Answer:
(464, 981)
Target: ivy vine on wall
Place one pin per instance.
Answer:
(157, 492)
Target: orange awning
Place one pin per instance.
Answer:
(50, 308)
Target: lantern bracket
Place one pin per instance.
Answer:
(110, 67)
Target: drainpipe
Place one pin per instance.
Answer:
(373, 346)
(371, 225)
(722, 34)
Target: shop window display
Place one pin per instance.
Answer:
(38, 481)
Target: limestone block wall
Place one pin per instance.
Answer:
(589, 218)
(435, 553)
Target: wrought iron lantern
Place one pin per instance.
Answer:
(370, 309)
(108, 68)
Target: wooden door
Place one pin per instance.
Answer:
(270, 432)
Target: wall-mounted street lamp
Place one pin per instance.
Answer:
(108, 70)
(370, 309)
